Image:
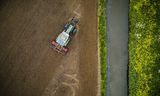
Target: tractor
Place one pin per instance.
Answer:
(61, 42)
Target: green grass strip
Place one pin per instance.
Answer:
(102, 42)
(144, 48)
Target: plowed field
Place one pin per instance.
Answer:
(29, 66)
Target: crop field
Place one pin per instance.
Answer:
(29, 66)
(144, 48)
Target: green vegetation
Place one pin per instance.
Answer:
(144, 48)
(102, 43)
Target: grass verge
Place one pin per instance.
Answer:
(144, 48)
(102, 43)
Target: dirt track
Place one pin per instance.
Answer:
(29, 67)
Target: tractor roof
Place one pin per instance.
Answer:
(62, 38)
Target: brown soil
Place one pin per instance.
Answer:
(29, 67)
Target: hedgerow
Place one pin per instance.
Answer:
(144, 48)
(102, 43)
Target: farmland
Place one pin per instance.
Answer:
(29, 67)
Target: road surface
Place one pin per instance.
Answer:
(117, 47)
(29, 67)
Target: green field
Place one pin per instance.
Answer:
(102, 43)
(144, 48)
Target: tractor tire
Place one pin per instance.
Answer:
(74, 31)
(65, 27)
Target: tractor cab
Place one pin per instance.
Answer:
(63, 39)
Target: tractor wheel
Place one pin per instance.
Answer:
(74, 31)
(65, 27)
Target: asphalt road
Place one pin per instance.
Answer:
(117, 46)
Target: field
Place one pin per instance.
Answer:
(144, 48)
(29, 67)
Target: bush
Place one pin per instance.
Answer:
(102, 43)
(144, 48)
